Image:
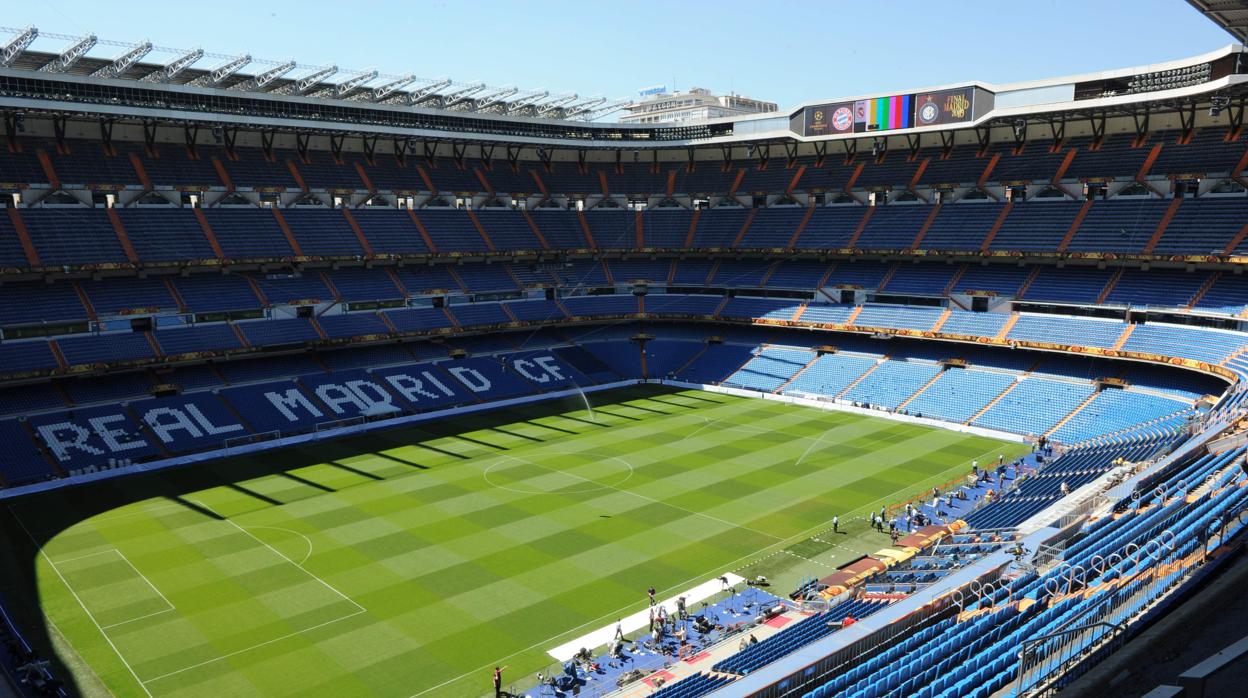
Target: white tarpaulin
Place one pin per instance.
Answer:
(641, 619)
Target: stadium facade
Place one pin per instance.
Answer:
(656, 105)
(203, 260)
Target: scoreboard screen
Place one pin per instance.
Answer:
(827, 119)
(944, 107)
(890, 113)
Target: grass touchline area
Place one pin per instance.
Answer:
(414, 560)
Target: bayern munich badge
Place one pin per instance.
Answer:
(842, 119)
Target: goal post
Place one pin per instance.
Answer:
(236, 441)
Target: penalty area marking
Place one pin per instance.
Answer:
(103, 630)
(169, 607)
(359, 609)
(287, 530)
(103, 633)
(278, 553)
(248, 649)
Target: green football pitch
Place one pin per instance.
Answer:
(409, 562)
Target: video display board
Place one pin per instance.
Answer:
(944, 107)
(890, 113)
(828, 118)
(884, 113)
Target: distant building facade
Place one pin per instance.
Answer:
(655, 105)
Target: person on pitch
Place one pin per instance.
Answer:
(498, 681)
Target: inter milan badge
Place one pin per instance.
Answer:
(929, 113)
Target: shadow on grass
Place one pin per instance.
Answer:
(195, 507)
(549, 426)
(635, 406)
(479, 442)
(256, 495)
(404, 461)
(696, 395)
(354, 471)
(582, 420)
(616, 414)
(29, 523)
(517, 434)
(309, 483)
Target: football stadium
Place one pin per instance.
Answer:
(317, 382)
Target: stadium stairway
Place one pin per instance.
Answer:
(862, 377)
(992, 403)
(928, 384)
(795, 376)
(1062, 422)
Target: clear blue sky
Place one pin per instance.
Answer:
(784, 51)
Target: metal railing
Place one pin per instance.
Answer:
(1047, 663)
(1053, 654)
(1084, 508)
(1047, 554)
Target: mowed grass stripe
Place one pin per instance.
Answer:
(456, 573)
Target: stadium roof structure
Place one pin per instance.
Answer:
(245, 73)
(1231, 15)
(239, 94)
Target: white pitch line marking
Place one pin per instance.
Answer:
(146, 580)
(287, 530)
(135, 620)
(598, 486)
(97, 553)
(107, 519)
(699, 430)
(278, 553)
(77, 598)
(144, 577)
(248, 649)
(753, 558)
(803, 557)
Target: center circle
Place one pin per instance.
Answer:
(558, 473)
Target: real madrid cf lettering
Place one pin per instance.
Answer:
(894, 112)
